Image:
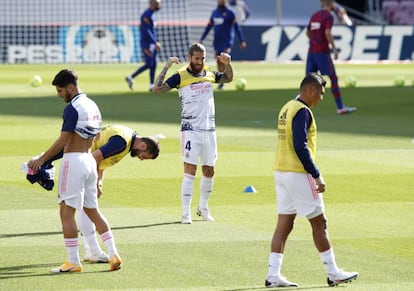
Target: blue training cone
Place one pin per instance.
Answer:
(250, 189)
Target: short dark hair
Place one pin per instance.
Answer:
(65, 77)
(313, 79)
(153, 147)
(196, 47)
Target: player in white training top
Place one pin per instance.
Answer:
(78, 174)
(198, 136)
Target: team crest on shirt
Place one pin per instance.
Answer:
(315, 25)
(218, 20)
(186, 126)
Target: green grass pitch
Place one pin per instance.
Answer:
(367, 159)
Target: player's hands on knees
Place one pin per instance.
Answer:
(224, 58)
(243, 45)
(320, 184)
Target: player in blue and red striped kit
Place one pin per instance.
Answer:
(225, 24)
(149, 44)
(319, 57)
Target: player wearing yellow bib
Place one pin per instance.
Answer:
(299, 184)
(198, 136)
(110, 146)
(78, 174)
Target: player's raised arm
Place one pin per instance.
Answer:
(225, 59)
(161, 86)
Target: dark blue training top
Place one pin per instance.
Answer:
(223, 20)
(300, 125)
(115, 145)
(147, 28)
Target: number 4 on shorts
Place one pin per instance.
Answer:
(188, 146)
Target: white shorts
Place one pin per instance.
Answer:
(296, 194)
(77, 181)
(201, 145)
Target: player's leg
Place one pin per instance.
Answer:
(70, 198)
(311, 66)
(208, 160)
(322, 243)
(311, 205)
(190, 150)
(93, 251)
(187, 188)
(147, 63)
(206, 188)
(336, 92)
(92, 211)
(284, 226)
(327, 68)
(72, 265)
(152, 68)
(106, 234)
(70, 232)
(320, 236)
(323, 63)
(319, 232)
(148, 55)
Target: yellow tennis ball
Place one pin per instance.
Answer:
(350, 82)
(399, 81)
(35, 81)
(241, 84)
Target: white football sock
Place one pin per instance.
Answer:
(206, 187)
(109, 242)
(88, 233)
(328, 260)
(187, 193)
(275, 264)
(71, 245)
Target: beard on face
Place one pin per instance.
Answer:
(196, 68)
(134, 153)
(67, 96)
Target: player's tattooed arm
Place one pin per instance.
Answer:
(227, 74)
(228, 69)
(160, 85)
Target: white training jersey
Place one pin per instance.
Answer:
(196, 94)
(82, 116)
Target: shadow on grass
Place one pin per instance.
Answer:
(59, 232)
(281, 288)
(26, 271)
(381, 111)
